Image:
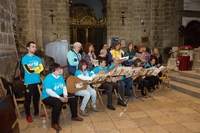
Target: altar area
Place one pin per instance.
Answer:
(185, 59)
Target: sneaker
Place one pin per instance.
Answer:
(83, 113)
(109, 106)
(29, 119)
(95, 109)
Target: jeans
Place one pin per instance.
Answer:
(86, 96)
(128, 82)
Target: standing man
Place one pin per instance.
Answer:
(32, 67)
(73, 58)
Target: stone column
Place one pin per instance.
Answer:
(8, 55)
(29, 21)
(196, 60)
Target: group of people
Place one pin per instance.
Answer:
(54, 91)
(108, 59)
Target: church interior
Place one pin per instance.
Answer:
(171, 26)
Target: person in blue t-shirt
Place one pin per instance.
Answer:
(84, 74)
(109, 86)
(152, 80)
(126, 83)
(54, 94)
(32, 67)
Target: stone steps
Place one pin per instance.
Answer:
(187, 82)
(187, 89)
(191, 74)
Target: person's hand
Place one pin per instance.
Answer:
(93, 76)
(30, 67)
(63, 99)
(66, 99)
(93, 60)
(143, 53)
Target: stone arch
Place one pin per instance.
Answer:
(96, 5)
(86, 27)
(192, 32)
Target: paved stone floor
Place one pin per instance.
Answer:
(170, 112)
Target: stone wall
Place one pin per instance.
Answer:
(7, 43)
(36, 24)
(160, 21)
(60, 25)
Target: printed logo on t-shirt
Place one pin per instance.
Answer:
(58, 86)
(34, 63)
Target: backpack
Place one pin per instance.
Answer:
(17, 87)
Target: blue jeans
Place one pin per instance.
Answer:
(86, 96)
(128, 82)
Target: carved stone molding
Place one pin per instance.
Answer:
(6, 50)
(85, 16)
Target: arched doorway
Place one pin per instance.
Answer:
(192, 34)
(85, 27)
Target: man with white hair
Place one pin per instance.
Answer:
(73, 58)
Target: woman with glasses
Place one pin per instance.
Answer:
(54, 94)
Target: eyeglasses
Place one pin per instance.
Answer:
(58, 69)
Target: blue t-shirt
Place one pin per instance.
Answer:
(85, 73)
(33, 61)
(148, 65)
(55, 84)
(98, 69)
(113, 65)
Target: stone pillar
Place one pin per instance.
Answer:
(29, 21)
(196, 60)
(178, 22)
(7, 42)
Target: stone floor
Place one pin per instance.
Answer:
(170, 112)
